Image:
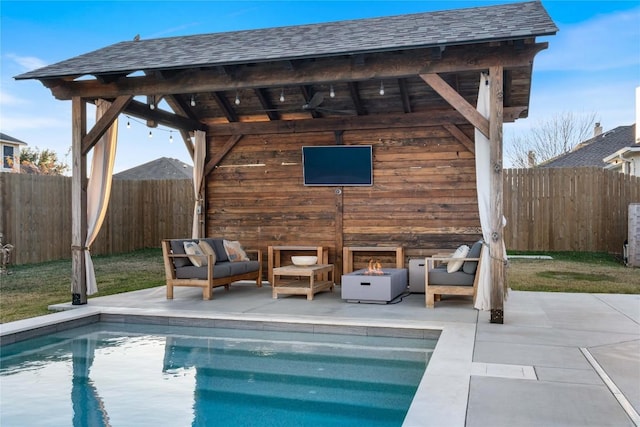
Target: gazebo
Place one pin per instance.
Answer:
(407, 85)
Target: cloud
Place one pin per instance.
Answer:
(602, 43)
(28, 63)
(6, 99)
(21, 123)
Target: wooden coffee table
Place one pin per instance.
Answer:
(295, 285)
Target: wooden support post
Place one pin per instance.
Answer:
(78, 202)
(496, 243)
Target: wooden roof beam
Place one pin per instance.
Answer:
(377, 67)
(164, 118)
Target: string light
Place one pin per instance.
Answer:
(332, 93)
(237, 101)
(282, 95)
(193, 101)
(381, 88)
(150, 135)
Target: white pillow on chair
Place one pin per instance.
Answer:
(455, 265)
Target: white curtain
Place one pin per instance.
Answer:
(199, 154)
(99, 189)
(483, 184)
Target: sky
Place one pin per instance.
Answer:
(592, 65)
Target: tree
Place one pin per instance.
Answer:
(550, 138)
(44, 162)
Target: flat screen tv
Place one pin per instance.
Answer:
(337, 165)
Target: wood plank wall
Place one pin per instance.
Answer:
(423, 196)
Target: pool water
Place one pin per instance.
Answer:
(148, 375)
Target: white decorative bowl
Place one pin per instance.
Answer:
(304, 260)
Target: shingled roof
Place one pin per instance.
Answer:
(162, 168)
(7, 138)
(592, 151)
(442, 28)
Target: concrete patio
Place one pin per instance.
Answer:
(559, 359)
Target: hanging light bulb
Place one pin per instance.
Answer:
(128, 124)
(237, 101)
(170, 137)
(332, 93)
(381, 88)
(150, 134)
(193, 101)
(282, 95)
(152, 106)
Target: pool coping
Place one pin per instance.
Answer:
(441, 397)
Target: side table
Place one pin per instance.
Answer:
(274, 260)
(297, 286)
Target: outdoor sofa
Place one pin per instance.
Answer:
(209, 263)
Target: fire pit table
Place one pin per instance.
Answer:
(379, 287)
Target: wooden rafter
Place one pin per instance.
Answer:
(404, 95)
(355, 98)
(266, 104)
(225, 106)
(377, 66)
(307, 94)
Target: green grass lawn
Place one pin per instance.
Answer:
(573, 272)
(30, 289)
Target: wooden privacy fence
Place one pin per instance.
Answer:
(568, 209)
(556, 209)
(35, 215)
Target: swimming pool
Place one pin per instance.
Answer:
(131, 374)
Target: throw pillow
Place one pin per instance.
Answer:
(454, 265)
(234, 251)
(196, 256)
(207, 250)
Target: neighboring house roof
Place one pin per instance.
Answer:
(6, 138)
(162, 168)
(592, 151)
(420, 30)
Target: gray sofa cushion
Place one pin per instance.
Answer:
(218, 246)
(193, 272)
(439, 276)
(470, 267)
(177, 247)
(222, 269)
